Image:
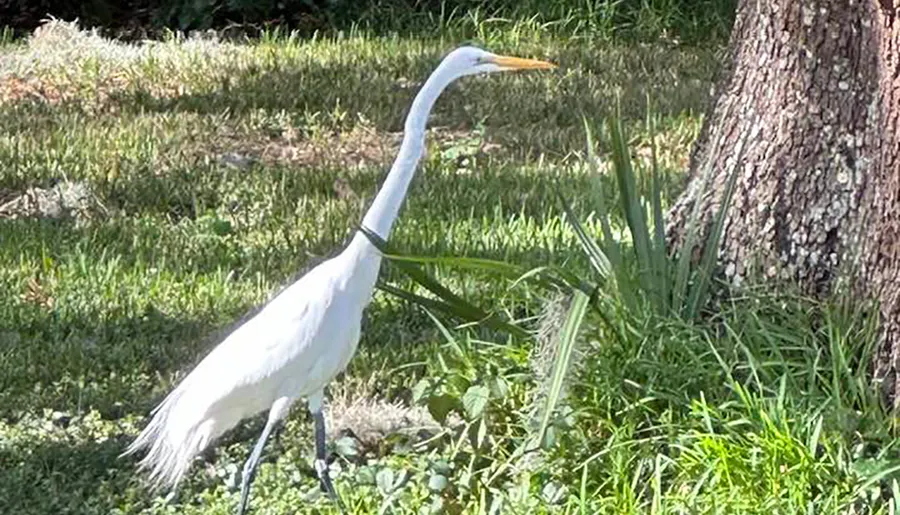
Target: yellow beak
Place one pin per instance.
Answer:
(517, 63)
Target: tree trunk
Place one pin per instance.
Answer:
(812, 91)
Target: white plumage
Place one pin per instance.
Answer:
(304, 336)
(292, 348)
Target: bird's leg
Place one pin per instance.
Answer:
(250, 467)
(321, 464)
(279, 408)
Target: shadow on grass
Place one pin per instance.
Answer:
(71, 362)
(60, 478)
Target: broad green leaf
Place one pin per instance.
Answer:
(442, 467)
(385, 480)
(437, 483)
(440, 405)
(420, 389)
(347, 446)
(366, 475)
(475, 400)
(498, 387)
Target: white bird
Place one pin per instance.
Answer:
(304, 336)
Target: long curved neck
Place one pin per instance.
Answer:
(381, 215)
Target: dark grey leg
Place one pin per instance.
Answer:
(321, 464)
(250, 467)
(279, 408)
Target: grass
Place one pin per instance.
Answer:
(218, 172)
(690, 21)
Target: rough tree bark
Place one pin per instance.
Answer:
(812, 87)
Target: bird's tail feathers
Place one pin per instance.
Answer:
(172, 441)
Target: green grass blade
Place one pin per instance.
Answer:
(632, 206)
(487, 320)
(659, 251)
(686, 249)
(557, 277)
(711, 246)
(451, 341)
(491, 265)
(877, 477)
(565, 350)
(609, 244)
(545, 277)
(415, 298)
(596, 256)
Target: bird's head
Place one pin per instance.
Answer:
(469, 60)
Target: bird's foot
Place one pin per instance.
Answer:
(325, 483)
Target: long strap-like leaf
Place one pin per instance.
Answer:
(632, 206)
(659, 251)
(565, 342)
(448, 302)
(711, 250)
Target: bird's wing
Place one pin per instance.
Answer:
(283, 333)
(240, 377)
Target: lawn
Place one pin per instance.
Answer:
(198, 176)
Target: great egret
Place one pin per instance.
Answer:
(304, 336)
